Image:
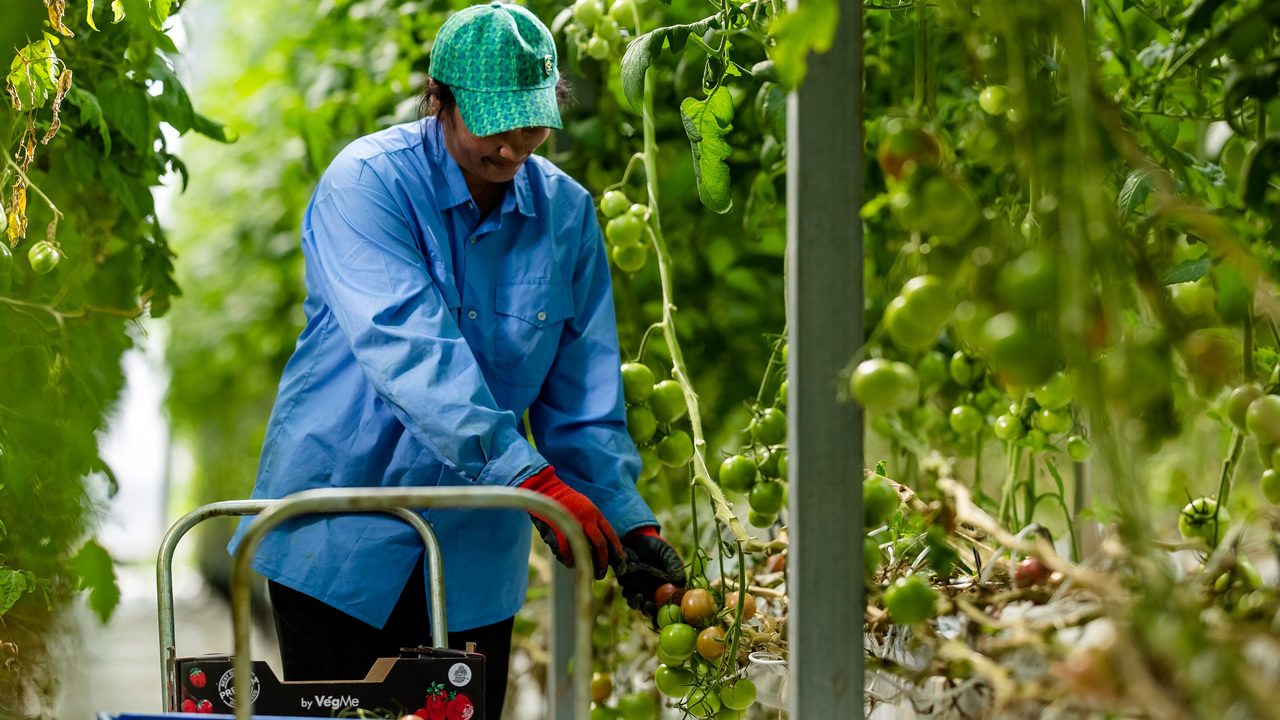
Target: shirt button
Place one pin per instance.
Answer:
(472, 314)
(473, 240)
(542, 316)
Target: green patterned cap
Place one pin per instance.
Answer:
(500, 62)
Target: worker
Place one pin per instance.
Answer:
(454, 280)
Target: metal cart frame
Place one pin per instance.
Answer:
(400, 502)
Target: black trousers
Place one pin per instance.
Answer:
(319, 642)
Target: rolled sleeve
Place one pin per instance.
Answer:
(579, 418)
(404, 336)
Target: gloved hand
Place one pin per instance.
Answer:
(651, 563)
(604, 541)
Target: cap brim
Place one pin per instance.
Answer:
(490, 113)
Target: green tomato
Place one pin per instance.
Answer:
(760, 520)
(1079, 449)
(630, 258)
(767, 498)
(614, 203)
(950, 208)
(932, 369)
(676, 449)
(6, 259)
(1239, 401)
(994, 99)
(624, 229)
(668, 402)
(770, 427)
(608, 29)
(639, 210)
(738, 473)
(678, 640)
(872, 556)
(603, 712)
(588, 12)
(638, 706)
(1018, 350)
(1053, 421)
(884, 385)
(964, 369)
(1055, 393)
(44, 257)
(965, 419)
(1263, 419)
(670, 615)
(1009, 427)
(650, 464)
(1030, 282)
(738, 694)
(641, 424)
(907, 330)
(674, 682)
(1271, 485)
(1197, 521)
(929, 300)
(767, 462)
(703, 703)
(668, 659)
(879, 502)
(1193, 299)
(637, 382)
(910, 600)
(1273, 459)
(624, 11)
(782, 462)
(1037, 439)
(782, 394)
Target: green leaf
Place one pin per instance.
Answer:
(641, 52)
(12, 586)
(1258, 82)
(1135, 191)
(124, 105)
(1165, 129)
(1255, 176)
(212, 129)
(91, 113)
(160, 12)
(1187, 271)
(93, 566)
(771, 108)
(811, 26)
(706, 122)
(173, 105)
(1200, 15)
(33, 75)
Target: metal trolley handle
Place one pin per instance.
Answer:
(334, 500)
(164, 578)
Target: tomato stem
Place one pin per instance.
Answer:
(723, 512)
(1224, 482)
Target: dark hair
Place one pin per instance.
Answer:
(437, 98)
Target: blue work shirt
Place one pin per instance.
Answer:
(430, 331)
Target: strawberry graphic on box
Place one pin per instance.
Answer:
(197, 677)
(436, 702)
(188, 706)
(460, 707)
(421, 712)
(205, 707)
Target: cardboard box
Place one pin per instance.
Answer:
(434, 683)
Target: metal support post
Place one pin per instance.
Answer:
(559, 679)
(824, 266)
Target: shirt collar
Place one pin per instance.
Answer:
(451, 188)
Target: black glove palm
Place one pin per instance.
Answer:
(651, 563)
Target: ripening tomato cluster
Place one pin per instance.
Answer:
(758, 470)
(631, 706)
(625, 231)
(692, 647)
(43, 256)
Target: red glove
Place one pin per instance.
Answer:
(604, 541)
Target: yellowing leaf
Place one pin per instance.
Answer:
(89, 17)
(56, 10)
(117, 11)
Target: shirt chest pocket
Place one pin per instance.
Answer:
(530, 320)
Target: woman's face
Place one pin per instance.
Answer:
(492, 158)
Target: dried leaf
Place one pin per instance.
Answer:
(17, 213)
(56, 10)
(64, 84)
